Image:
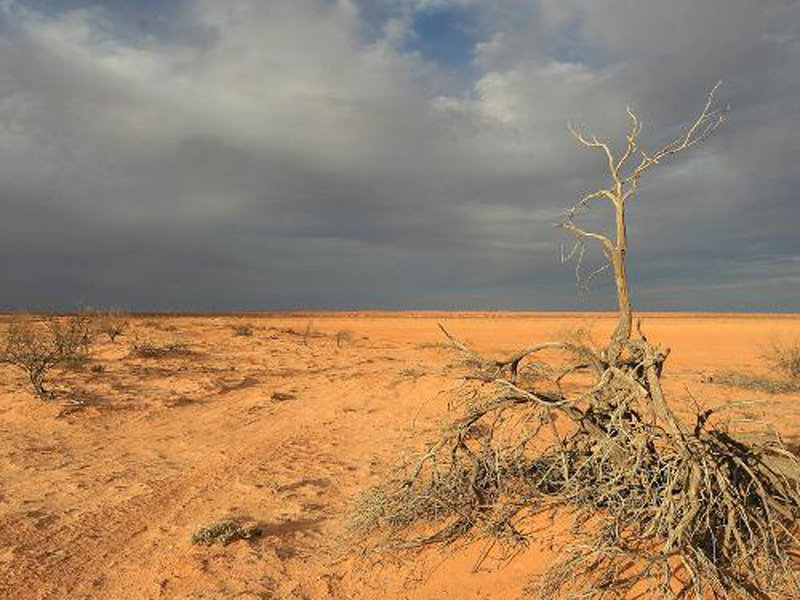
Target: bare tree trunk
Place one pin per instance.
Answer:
(626, 169)
(618, 259)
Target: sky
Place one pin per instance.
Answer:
(389, 154)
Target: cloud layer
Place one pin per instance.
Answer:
(321, 153)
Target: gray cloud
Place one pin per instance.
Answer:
(273, 154)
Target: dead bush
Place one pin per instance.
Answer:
(784, 357)
(37, 345)
(243, 330)
(751, 381)
(111, 323)
(309, 332)
(147, 349)
(342, 336)
(436, 345)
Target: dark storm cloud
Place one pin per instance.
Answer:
(323, 153)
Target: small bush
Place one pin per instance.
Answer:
(784, 357)
(38, 347)
(112, 323)
(750, 381)
(309, 332)
(342, 336)
(436, 345)
(151, 350)
(413, 372)
(243, 331)
(224, 532)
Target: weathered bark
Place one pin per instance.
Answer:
(622, 333)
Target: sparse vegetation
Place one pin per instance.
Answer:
(112, 323)
(147, 349)
(784, 357)
(342, 336)
(434, 345)
(309, 332)
(661, 508)
(243, 330)
(751, 381)
(224, 532)
(38, 345)
(413, 372)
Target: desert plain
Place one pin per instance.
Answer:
(102, 488)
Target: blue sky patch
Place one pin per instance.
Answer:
(446, 36)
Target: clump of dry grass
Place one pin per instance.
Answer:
(434, 345)
(147, 349)
(413, 372)
(243, 330)
(784, 357)
(342, 336)
(751, 381)
(310, 332)
(224, 532)
(38, 345)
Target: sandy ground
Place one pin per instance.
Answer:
(101, 502)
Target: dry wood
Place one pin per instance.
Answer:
(669, 509)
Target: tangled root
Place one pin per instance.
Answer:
(669, 510)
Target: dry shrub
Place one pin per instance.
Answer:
(112, 323)
(36, 346)
(243, 330)
(309, 332)
(434, 345)
(224, 532)
(147, 349)
(784, 357)
(751, 381)
(342, 336)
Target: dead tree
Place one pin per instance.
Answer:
(626, 171)
(670, 508)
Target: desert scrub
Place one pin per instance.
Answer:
(784, 357)
(243, 331)
(111, 323)
(342, 336)
(750, 381)
(36, 346)
(309, 332)
(147, 349)
(224, 532)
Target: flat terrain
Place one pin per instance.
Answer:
(101, 489)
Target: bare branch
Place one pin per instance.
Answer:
(633, 133)
(594, 143)
(702, 127)
(574, 229)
